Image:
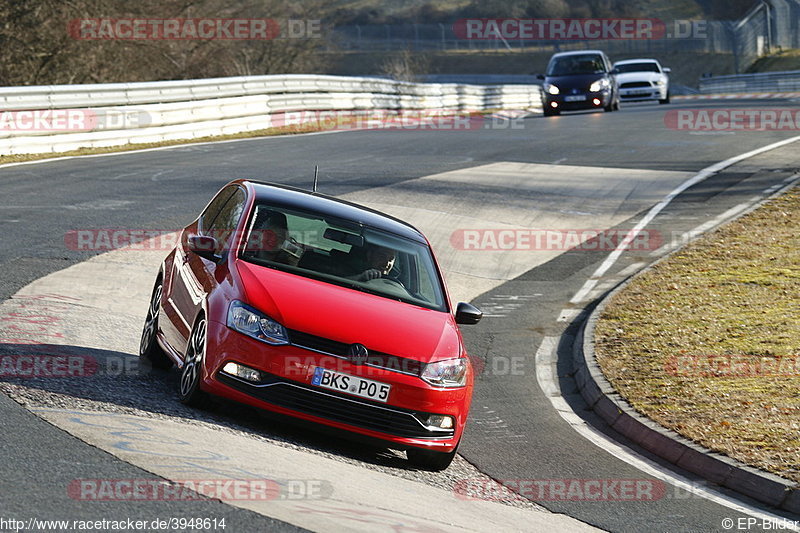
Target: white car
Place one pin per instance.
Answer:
(642, 79)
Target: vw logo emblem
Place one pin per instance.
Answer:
(358, 353)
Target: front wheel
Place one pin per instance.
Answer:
(148, 345)
(429, 459)
(193, 365)
(665, 100)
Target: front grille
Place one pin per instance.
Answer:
(340, 349)
(635, 84)
(337, 407)
(320, 344)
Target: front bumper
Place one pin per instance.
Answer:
(574, 102)
(642, 94)
(286, 388)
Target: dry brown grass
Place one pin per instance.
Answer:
(707, 343)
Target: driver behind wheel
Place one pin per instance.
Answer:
(379, 261)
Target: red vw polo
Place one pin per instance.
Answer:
(317, 308)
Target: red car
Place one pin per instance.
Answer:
(319, 309)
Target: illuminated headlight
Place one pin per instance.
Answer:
(241, 371)
(246, 320)
(439, 422)
(599, 85)
(449, 373)
(551, 89)
(659, 82)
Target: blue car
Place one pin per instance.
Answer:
(579, 80)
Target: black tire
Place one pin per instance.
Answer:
(664, 101)
(148, 345)
(430, 460)
(189, 391)
(551, 112)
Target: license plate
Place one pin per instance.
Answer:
(578, 98)
(364, 388)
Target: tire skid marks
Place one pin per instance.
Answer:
(492, 424)
(502, 305)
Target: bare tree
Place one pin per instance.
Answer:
(406, 66)
(38, 43)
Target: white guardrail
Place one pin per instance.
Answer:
(788, 81)
(60, 118)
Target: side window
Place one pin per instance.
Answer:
(224, 224)
(211, 212)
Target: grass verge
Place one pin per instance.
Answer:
(707, 342)
(777, 62)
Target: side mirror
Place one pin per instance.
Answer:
(666, 70)
(614, 70)
(540, 76)
(468, 314)
(205, 247)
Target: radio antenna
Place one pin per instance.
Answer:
(316, 173)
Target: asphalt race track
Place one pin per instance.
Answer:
(515, 432)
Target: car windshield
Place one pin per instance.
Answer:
(343, 253)
(638, 67)
(575, 65)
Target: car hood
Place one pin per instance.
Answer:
(351, 316)
(628, 77)
(578, 81)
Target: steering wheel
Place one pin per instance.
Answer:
(390, 285)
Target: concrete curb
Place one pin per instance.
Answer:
(620, 415)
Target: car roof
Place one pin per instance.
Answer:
(300, 199)
(578, 52)
(627, 61)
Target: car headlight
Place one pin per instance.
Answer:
(246, 320)
(551, 89)
(659, 82)
(449, 373)
(599, 85)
